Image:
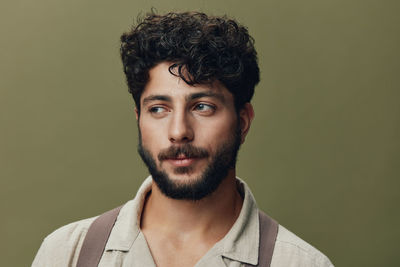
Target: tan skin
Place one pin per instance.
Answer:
(174, 113)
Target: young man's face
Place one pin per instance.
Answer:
(189, 135)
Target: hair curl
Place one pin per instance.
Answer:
(202, 49)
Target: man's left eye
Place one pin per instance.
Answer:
(204, 107)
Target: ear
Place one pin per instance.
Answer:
(246, 116)
(137, 114)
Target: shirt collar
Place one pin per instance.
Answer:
(240, 243)
(127, 225)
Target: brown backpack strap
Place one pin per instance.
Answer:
(268, 234)
(96, 239)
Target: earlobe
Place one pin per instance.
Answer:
(246, 116)
(136, 114)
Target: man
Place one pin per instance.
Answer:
(192, 78)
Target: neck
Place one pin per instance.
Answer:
(212, 216)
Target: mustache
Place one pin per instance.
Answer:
(188, 150)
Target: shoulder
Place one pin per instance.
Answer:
(70, 233)
(291, 250)
(61, 247)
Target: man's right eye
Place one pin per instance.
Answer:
(157, 110)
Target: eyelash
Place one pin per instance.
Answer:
(205, 105)
(153, 109)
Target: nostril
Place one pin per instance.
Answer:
(180, 127)
(182, 139)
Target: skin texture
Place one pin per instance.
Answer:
(175, 114)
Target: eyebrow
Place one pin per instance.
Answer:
(156, 97)
(195, 96)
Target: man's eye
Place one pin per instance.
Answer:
(204, 108)
(157, 110)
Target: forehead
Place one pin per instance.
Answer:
(162, 82)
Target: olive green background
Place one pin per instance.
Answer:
(322, 157)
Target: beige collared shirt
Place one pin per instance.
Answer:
(127, 245)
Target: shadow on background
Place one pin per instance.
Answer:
(322, 156)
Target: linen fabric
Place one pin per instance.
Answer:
(127, 245)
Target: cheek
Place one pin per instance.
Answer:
(153, 137)
(216, 131)
(146, 134)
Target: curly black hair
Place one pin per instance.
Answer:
(202, 49)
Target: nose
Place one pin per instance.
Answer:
(180, 129)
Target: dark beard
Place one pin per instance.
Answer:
(223, 160)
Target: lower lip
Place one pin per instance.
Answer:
(182, 162)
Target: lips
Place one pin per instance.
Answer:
(182, 161)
